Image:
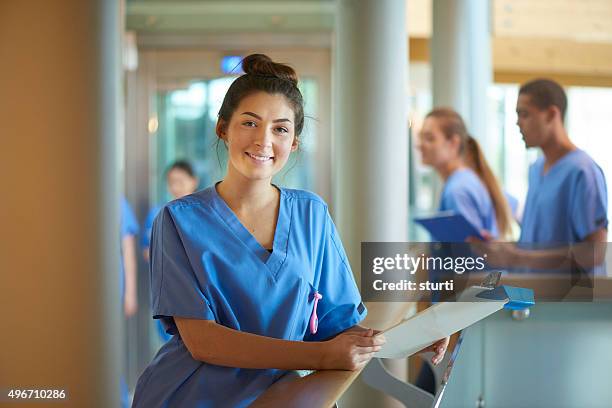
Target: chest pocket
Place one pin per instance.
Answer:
(304, 313)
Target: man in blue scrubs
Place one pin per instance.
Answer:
(565, 214)
(567, 205)
(567, 197)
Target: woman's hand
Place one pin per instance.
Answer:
(439, 348)
(351, 350)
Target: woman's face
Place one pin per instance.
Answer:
(180, 183)
(260, 135)
(436, 149)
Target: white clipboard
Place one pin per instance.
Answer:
(437, 322)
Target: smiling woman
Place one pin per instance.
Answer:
(250, 279)
(259, 136)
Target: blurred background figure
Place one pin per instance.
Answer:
(128, 271)
(470, 187)
(181, 181)
(128, 276)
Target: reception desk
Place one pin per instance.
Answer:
(558, 356)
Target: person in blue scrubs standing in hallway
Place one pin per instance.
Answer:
(567, 196)
(470, 187)
(565, 214)
(251, 279)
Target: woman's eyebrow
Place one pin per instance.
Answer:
(281, 120)
(256, 116)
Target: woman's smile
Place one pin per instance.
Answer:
(260, 158)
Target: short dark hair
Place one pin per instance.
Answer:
(545, 93)
(182, 165)
(263, 74)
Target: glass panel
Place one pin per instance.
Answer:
(423, 182)
(511, 161)
(589, 126)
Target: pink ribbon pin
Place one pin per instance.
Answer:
(314, 320)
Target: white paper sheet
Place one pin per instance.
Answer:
(436, 322)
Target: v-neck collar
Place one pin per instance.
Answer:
(555, 164)
(274, 260)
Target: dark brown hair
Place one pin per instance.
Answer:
(545, 93)
(261, 74)
(451, 123)
(182, 165)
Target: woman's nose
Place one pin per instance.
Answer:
(264, 137)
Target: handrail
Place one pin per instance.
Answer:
(322, 389)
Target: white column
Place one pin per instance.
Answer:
(461, 60)
(59, 250)
(370, 141)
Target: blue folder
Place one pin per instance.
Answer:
(518, 298)
(449, 227)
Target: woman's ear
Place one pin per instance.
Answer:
(455, 141)
(220, 129)
(295, 144)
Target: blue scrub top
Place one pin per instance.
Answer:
(148, 226)
(465, 194)
(128, 225)
(206, 265)
(566, 204)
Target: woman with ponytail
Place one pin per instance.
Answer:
(251, 279)
(470, 188)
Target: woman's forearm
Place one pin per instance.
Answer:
(216, 344)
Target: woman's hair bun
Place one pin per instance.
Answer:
(262, 65)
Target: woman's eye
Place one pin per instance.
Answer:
(282, 130)
(249, 123)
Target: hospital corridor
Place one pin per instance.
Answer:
(306, 203)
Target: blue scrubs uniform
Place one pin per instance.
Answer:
(566, 204)
(206, 265)
(465, 194)
(148, 226)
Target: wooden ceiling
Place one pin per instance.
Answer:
(577, 20)
(571, 39)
